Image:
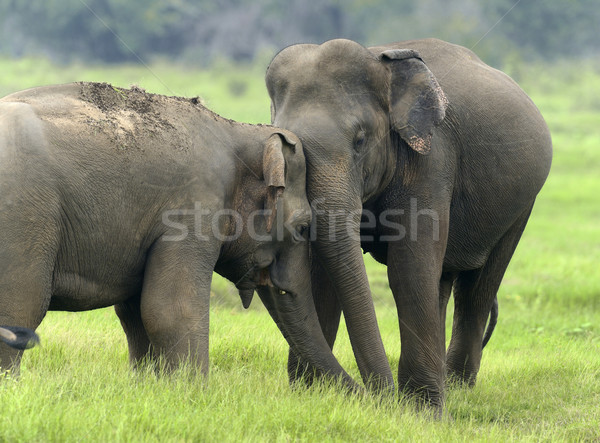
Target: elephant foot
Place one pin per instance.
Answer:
(461, 380)
(429, 398)
(427, 407)
(461, 375)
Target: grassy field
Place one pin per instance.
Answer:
(540, 376)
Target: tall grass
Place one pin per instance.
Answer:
(540, 376)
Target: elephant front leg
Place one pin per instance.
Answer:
(175, 303)
(414, 275)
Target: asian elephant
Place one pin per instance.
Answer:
(119, 197)
(443, 156)
(18, 338)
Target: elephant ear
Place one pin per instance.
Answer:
(417, 102)
(274, 172)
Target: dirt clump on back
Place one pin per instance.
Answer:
(129, 116)
(109, 98)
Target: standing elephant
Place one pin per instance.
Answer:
(443, 156)
(118, 197)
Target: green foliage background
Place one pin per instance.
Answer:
(199, 31)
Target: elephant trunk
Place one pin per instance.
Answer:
(296, 317)
(338, 250)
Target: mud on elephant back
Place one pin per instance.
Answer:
(434, 160)
(118, 197)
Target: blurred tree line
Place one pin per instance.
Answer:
(198, 31)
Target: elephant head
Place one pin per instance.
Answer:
(275, 258)
(350, 106)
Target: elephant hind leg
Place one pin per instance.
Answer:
(475, 293)
(137, 338)
(29, 237)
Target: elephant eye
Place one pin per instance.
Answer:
(301, 233)
(359, 140)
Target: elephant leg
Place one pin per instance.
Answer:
(27, 259)
(415, 286)
(329, 312)
(174, 305)
(421, 291)
(137, 339)
(474, 294)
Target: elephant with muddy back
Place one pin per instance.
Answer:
(443, 156)
(118, 197)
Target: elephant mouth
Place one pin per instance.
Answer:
(246, 288)
(264, 278)
(261, 277)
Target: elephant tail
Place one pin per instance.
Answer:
(491, 324)
(18, 338)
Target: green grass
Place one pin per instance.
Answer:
(540, 376)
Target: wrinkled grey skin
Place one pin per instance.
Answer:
(91, 179)
(412, 126)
